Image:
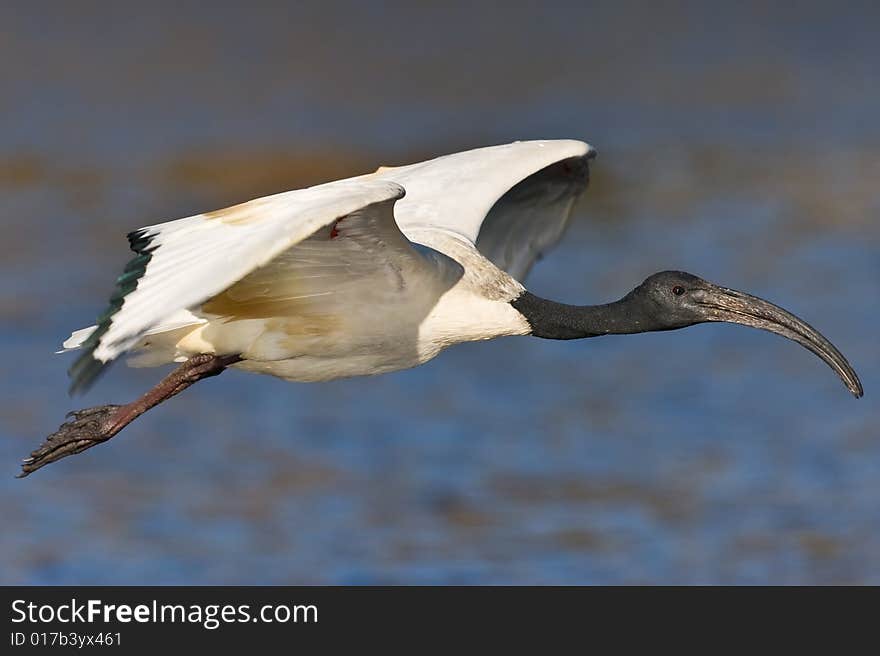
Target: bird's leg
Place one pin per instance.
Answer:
(86, 428)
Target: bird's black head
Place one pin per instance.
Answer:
(675, 299)
(668, 300)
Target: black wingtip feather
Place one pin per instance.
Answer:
(84, 372)
(86, 369)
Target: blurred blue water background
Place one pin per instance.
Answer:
(740, 144)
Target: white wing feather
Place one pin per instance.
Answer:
(179, 319)
(193, 259)
(456, 192)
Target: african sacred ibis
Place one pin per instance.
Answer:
(373, 274)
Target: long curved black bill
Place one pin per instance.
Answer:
(733, 306)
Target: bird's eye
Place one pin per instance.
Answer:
(678, 290)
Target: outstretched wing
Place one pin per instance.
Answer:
(511, 201)
(181, 264)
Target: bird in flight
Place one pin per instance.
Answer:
(369, 275)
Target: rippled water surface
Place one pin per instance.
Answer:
(740, 145)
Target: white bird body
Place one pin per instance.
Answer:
(351, 277)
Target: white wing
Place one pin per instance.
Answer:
(180, 264)
(511, 201)
(531, 218)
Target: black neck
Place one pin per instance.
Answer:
(553, 320)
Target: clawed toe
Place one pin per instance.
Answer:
(99, 411)
(82, 430)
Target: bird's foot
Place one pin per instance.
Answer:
(82, 430)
